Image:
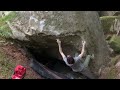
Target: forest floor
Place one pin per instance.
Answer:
(112, 71)
(10, 56)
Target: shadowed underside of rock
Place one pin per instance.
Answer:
(41, 28)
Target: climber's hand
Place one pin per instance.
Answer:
(83, 43)
(58, 41)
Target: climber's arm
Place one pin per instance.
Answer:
(82, 52)
(83, 49)
(60, 50)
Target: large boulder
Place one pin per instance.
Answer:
(38, 31)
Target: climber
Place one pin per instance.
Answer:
(76, 62)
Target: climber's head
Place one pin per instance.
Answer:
(70, 59)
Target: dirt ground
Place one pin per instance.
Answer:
(13, 56)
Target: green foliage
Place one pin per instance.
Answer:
(8, 17)
(5, 31)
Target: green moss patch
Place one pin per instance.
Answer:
(115, 43)
(8, 17)
(114, 60)
(107, 21)
(108, 37)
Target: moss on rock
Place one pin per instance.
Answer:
(5, 31)
(115, 43)
(114, 60)
(107, 21)
(108, 37)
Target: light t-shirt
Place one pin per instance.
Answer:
(77, 66)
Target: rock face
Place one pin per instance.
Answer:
(38, 30)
